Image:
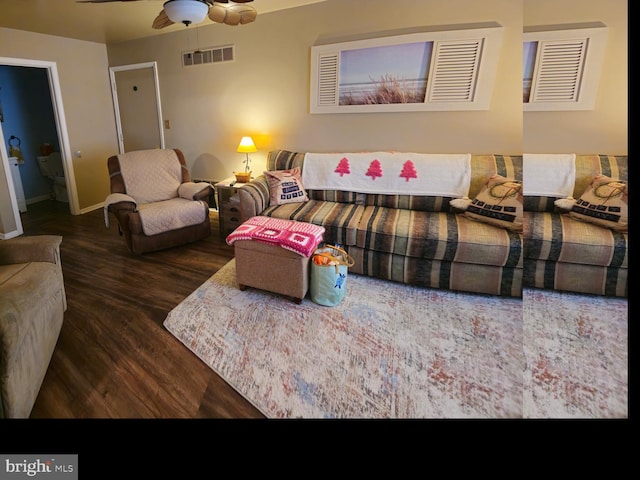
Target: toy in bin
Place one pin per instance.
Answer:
(329, 268)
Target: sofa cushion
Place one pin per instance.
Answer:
(284, 160)
(560, 238)
(409, 202)
(340, 220)
(25, 298)
(470, 277)
(587, 167)
(339, 196)
(172, 214)
(536, 203)
(484, 166)
(575, 277)
(9, 271)
(437, 236)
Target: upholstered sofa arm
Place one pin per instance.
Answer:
(37, 248)
(194, 190)
(254, 197)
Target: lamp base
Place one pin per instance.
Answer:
(242, 177)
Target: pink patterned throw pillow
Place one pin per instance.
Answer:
(285, 186)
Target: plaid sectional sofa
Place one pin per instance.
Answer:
(418, 240)
(563, 253)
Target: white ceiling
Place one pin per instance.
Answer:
(110, 22)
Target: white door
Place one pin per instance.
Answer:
(136, 100)
(14, 168)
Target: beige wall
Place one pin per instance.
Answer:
(86, 98)
(604, 129)
(265, 91)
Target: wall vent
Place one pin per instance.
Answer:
(208, 55)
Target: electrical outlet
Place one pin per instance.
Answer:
(167, 124)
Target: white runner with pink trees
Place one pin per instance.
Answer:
(392, 173)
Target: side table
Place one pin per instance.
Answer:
(228, 205)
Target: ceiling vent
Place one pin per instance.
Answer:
(208, 55)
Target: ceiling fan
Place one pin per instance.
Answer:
(195, 11)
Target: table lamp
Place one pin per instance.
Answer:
(246, 146)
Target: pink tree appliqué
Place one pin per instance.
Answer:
(343, 167)
(375, 170)
(408, 171)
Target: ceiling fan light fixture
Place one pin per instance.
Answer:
(186, 11)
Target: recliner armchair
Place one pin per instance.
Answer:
(154, 200)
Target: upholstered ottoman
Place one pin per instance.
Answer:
(274, 254)
(271, 268)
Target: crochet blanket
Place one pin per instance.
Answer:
(299, 237)
(394, 173)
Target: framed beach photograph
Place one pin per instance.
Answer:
(433, 70)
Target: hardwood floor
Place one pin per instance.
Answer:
(114, 359)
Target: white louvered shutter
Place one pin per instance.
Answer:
(328, 79)
(454, 70)
(558, 72)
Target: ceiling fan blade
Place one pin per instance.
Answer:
(234, 14)
(162, 20)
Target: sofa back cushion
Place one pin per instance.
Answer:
(285, 160)
(482, 168)
(587, 168)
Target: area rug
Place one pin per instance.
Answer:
(576, 355)
(387, 351)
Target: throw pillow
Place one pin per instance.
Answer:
(285, 186)
(605, 203)
(499, 203)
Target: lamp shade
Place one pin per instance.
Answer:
(246, 145)
(186, 11)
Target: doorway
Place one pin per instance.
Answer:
(136, 101)
(62, 141)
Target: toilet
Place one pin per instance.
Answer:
(51, 167)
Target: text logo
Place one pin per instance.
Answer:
(51, 467)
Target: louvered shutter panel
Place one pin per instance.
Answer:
(559, 71)
(454, 70)
(328, 79)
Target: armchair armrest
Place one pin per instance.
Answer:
(117, 202)
(37, 248)
(195, 191)
(254, 197)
